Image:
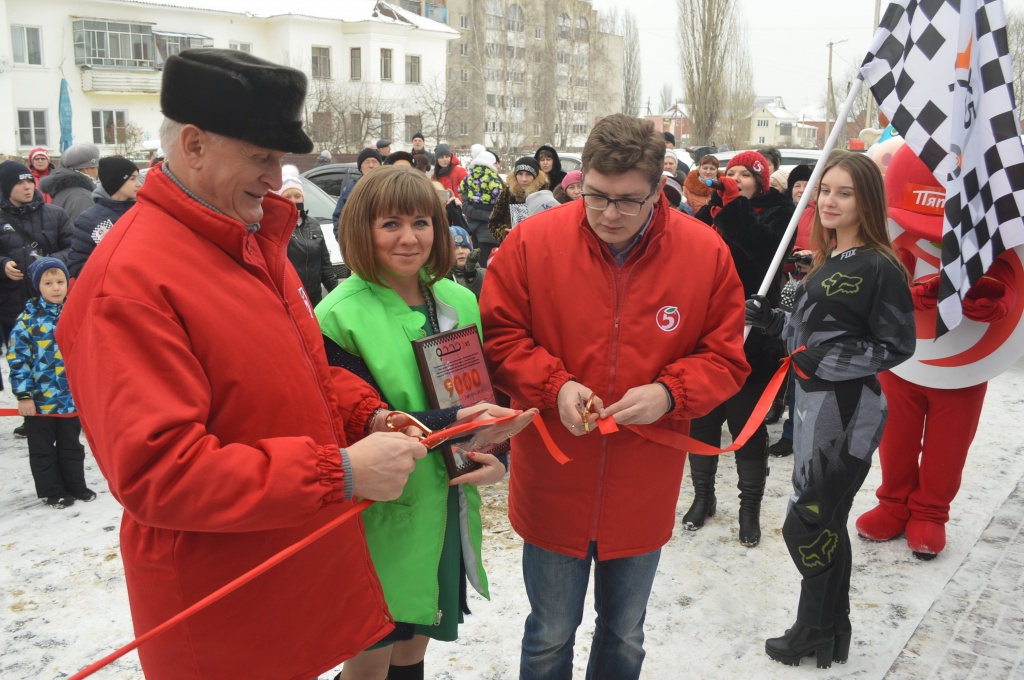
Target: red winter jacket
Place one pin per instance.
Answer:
(556, 305)
(453, 179)
(199, 371)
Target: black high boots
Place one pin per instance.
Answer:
(702, 471)
(752, 475)
(802, 641)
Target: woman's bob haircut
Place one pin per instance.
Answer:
(392, 190)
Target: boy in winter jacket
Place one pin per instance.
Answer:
(119, 182)
(480, 191)
(55, 453)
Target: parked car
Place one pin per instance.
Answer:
(570, 161)
(332, 178)
(790, 157)
(320, 207)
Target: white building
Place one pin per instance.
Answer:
(368, 63)
(772, 124)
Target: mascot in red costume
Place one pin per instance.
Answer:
(935, 398)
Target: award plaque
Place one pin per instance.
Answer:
(454, 374)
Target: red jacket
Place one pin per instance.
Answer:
(556, 305)
(200, 375)
(453, 179)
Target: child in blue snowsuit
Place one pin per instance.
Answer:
(38, 380)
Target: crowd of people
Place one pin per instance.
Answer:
(214, 268)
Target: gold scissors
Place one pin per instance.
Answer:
(584, 409)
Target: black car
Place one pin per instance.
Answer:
(333, 177)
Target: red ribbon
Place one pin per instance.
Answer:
(681, 442)
(14, 412)
(429, 442)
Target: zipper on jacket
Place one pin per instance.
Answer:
(620, 285)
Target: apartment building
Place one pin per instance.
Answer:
(370, 64)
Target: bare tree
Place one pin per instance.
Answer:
(667, 98)
(342, 116)
(708, 32)
(435, 103)
(129, 140)
(1015, 38)
(734, 121)
(632, 75)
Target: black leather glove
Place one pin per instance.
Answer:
(760, 314)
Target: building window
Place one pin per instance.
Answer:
(538, 33)
(515, 20)
(464, 101)
(564, 24)
(463, 49)
(169, 44)
(355, 122)
(413, 124)
(412, 69)
(387, 125)
(355, 63)
(110, 43)
(321, 62)
(28, 45)
(762, 123)
(240, 46)
(465, 76)
(32, 127)
(536, 129)
(108, 126)
(385, 68)
(463, 129)
(464, 22)
(536, 105)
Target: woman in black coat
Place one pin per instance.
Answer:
(751, 218)
(307, 248)
(550, 164)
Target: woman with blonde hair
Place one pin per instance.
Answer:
(852, 318)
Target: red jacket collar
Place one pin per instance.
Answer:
(279, 216)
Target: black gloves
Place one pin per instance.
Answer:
(760, 314)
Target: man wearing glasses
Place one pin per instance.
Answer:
(615, 305)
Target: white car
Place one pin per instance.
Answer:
(790, 157)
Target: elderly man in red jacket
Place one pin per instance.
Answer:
(619, 303)
(199, 371)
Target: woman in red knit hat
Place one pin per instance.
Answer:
(41, 166)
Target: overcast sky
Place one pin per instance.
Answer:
(787, 39)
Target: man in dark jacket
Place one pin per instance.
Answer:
(71, 185)
(30, 229)
(119, 182)
(367, 160)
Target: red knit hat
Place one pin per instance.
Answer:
(35, 152)
(757, 164)
(914, 197)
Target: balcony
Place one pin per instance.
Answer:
(120, 81)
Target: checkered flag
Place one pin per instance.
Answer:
(941, 72)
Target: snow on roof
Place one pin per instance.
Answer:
(350, 11)
(781, 113)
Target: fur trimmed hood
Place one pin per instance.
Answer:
(695, 185)
(518, 194)
(62, 178)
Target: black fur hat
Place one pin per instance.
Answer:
(237, 95)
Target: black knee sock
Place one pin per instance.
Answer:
(413, 672)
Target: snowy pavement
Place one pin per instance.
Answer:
(63, 602)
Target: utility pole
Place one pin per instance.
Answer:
(830, 97)
(869, 116)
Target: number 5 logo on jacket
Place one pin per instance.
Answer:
(668, 318)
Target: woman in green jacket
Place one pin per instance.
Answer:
(425, 545)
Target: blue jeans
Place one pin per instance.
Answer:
(557, 586)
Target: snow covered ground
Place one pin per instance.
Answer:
(63, 602)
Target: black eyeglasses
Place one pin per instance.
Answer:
(626, 207)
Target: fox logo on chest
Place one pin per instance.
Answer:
(841, 283)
